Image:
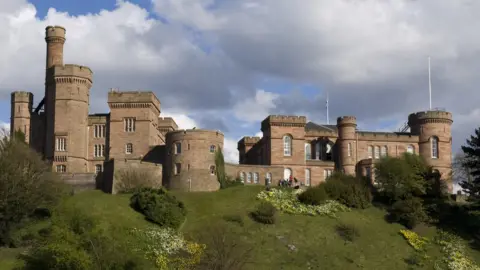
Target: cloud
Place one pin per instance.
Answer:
(254, 109)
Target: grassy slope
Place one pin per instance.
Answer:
(379, 246)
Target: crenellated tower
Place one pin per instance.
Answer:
(55, 38)
(346, 143)
(21, 109)
(435, 139)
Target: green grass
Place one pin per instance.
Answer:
(379, 245)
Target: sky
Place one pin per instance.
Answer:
(227, 64)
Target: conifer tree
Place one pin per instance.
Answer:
(472, 164)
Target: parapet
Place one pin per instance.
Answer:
(194, 134)
(430, 116)
(133, 97)
(279, 120)
(54, 32)
(249, 140)
(71, 71)
(22, 97)
(346, 120)
(167, 122)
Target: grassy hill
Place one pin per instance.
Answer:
(316, 241)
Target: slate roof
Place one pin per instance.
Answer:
(313, 126)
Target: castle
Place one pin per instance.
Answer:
(81, 146)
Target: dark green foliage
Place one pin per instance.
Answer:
(19, 136)
(220, 168)
(313, 195)
(408, 212)
(231, 182)
(347, 231)
(159, 207)
(234, 219)
(349, 190)
(265, 213)
(471, 163)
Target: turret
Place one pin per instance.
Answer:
(21, 108)
(346, 143)
(55, 38)
(435, 139)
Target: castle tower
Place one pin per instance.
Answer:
(67, 93)
(346, 143)
(435, 139)
(21, 108)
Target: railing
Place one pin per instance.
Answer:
(405, 127)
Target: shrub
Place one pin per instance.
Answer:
(159, 207)
(348, 190)
(313, 196)
(347, 231)
(408, 212)
(265, 213)
(234, 219)
(131, 179)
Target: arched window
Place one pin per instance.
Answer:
(349, 149)
(249, 177)
(242, 177)
(410, 149)
(318, 151)
(129, 148)
(287, 172)
(377, 152)
(287, 145)
(434, 141)
(307, 177)
(370, 151)
(212, 148)
(308, 151)
(384, 151)
(212, 170)
(268, 177)
(255, 178)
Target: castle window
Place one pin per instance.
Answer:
(287, 145)
(384, 151)
(370, 151)
(349, 149)
(242, 177)
(188, 146)
(329, 151)
(307, 177)
(268, 177)
(129, 124)
(212, 170)
(327, 173)
(178, 148)
(61, 168)
(249, 177)
(308, 151)
(99, 131)
(255, 178)
(98, 168)
(434, 141)
(318, 151)
(377, 152)
(128, 148)
(212, 148)
(61, 144)
(178, 168)
(188, 167)
(410, 149)
(99, 150)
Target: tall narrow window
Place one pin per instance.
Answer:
(178, 148)
(434, 141)
(349, 149)
(212, 170)
(178, 168)
(212, 148)
(318, 151)
(129, 148)
(61, 168)
(308, 151)
(249, 177)
(129, 124)
(98, 168)
(410, 149)
(61, 144)
(99, 131)
(287, 145)
(255, 178)
(307, 177)
(268, 177)
(370, 151)
(377, 152)
(242, 177)
(384, 151)
(327, 173)
(99, 150)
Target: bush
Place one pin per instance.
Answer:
(348, 190)
(408, 212)
(234, 219)
(347, 232)
(313, 196)
(132, 179)
(265, 213)
(159, 207)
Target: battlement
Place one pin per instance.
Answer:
(247, 140)
(429, 116)
(71, 71)
(22, 96)
(284, 120)
(387, 136)
(133, 97)
(193, 134)
(55, 32)
(346, 120)
(166, 122)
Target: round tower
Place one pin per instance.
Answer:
(435, 139)
(55, 38)
(190, 164)
(21, 108)
(346, 143)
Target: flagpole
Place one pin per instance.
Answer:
(429, 84)
(328, 118)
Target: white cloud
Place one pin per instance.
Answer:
(259, 134)
(183, 121)
(230, 152)
(253, 109)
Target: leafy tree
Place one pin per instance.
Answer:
(220, 167)
(471, 163)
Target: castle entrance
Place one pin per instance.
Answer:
(286, 173)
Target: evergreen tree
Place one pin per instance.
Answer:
(472, 164)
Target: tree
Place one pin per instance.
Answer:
(220, 167)
(26, 183)
(460, 173)
(471, 163)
